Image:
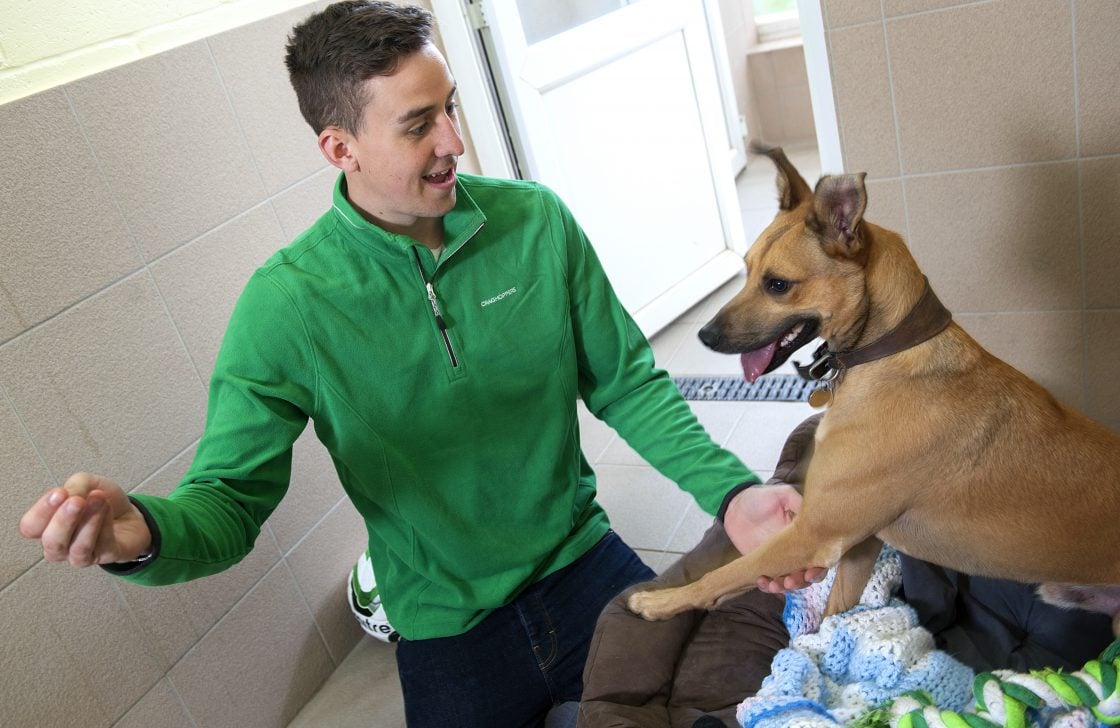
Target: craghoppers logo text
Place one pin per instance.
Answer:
(499, 297)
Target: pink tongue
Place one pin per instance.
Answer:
(755, 362)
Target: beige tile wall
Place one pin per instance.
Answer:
(135, 205)
(990, 131)
(771, 84)
(779, 95)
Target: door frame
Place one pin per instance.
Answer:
(820, 86)
(458, 21)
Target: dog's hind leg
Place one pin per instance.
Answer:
(1094, 598)
(852, 573)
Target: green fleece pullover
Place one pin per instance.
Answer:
(446, 396)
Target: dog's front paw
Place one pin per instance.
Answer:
(655, 605)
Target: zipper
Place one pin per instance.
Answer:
(440, 323)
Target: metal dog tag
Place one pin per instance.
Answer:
(820, 397)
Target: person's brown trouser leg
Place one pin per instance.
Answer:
(672, 673)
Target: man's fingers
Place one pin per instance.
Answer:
(791, 582)
(796, 581)
(815, 574)
(32, 523)
(59, 532)
(83, 545)
(83, 483)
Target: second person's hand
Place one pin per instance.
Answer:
(756, 514)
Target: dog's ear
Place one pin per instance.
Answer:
(792, 187)
(838, 205)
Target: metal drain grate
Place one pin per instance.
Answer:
(771, 388)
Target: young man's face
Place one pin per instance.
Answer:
(403, 159)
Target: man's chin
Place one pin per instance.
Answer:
(445, 203)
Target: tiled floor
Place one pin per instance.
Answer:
(650, 513)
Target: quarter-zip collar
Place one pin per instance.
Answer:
(459, 225)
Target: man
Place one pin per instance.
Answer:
(437, 329)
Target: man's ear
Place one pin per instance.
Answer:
(334, 143)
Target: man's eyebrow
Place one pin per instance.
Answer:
(423, 110)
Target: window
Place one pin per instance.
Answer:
(762, 8)
(776, 20)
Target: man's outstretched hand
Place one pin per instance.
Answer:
(757, 513)
(87, 521)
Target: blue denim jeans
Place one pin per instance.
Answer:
(522, 659)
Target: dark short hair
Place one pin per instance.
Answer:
(332, 53)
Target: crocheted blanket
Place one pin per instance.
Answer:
(875, 667)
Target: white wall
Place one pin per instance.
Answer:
(47, 43)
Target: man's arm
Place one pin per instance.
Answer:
(258, 399)
(620, 383)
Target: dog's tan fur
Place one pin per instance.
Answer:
(942, 450)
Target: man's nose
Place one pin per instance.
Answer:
(450, 142)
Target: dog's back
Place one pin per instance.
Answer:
(929, 442)
(1000, 478)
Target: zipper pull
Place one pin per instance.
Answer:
(435, 306)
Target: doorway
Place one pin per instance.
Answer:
(626, 108)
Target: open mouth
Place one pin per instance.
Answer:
(771, 356)
(440, 178)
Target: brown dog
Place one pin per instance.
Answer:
(929, 443)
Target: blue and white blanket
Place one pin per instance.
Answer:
(838, 668)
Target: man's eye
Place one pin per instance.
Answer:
(452, 108)
(419, 130)
(777, 285)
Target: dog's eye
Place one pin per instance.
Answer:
(777, 285)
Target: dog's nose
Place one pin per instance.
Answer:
(711, 335)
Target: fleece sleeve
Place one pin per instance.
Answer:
(261, 393)
(621, 385)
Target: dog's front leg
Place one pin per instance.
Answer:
(852, 573)
(791, 549)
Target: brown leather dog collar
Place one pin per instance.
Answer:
(927, 319)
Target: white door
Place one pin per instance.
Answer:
(618, 106)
